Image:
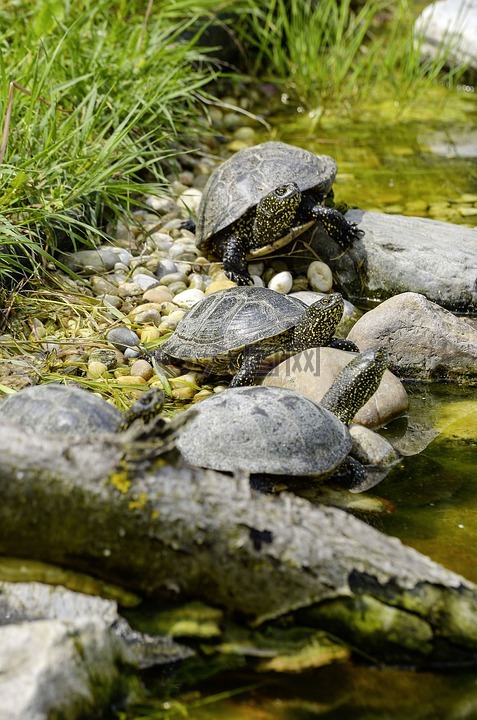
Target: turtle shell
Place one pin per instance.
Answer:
(59, 409)
(226, 321)
(240, 182)
(263, 430)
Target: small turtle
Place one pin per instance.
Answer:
(271, 430)
(67, 409)
(243, 331)
(263, 197)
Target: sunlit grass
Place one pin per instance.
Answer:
(110, 94)
(338, 56)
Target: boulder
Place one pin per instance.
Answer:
(424, 341)
(51, 668)
(313, 371)
(449, 27)
(400, 254)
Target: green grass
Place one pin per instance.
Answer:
(110, 93)
(103, 94)
(334, 56)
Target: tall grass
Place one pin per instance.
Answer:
(110, 89)
(329, 54)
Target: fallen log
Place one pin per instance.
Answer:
(138, 517)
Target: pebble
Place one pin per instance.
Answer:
(319, 276)
(107, 357)
(166, 267)
(131, 380)
(96, 369)
(190, 200)
(142, 368)
(217, 285)
(122, 338)
(173, 277)
(189, 298)
(157, 294)
(145, 282)
(281, 282)
(150, 333)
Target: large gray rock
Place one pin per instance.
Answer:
(424, 340)
(399, 254)
(51, 668)
(313, 371)
(449, 27)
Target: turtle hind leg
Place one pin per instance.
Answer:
(333, 222)
(342, 344)
(252, 368)
(233, 252)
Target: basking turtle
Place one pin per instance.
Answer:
(263, 197)
(243, 331)
(278, 431)
(68, 409)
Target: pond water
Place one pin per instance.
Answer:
(422, 164)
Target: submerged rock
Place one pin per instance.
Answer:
(400, 254)
(424, 340)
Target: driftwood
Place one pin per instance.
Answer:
(169, 531)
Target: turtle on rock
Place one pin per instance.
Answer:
(277, 431)
(244, 331)
(262, 198)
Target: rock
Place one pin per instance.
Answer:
(92, 261)
(51, 668)
(424, 340)
(449, 26)
(319, 276)
(371, 448)
(188, 298)
(145, 282)
(401, 253)
(122, 338)
(281, 282)
(313, 371)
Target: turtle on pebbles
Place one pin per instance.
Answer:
(262, 198)
(55, 408)
(243, 331)
(275, 431)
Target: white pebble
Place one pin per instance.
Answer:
(189, 298)
(257, 281)
(319, 276)
(190, 199)
(281, 282)
(256, 268)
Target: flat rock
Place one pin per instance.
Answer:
(313, 371)
(449, 24)
(424, 341)
(51, 668)
(399, 254)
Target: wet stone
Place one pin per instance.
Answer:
(122, 338)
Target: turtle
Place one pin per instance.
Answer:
(245, 330)
(278, 431)
(263, 197)
(56, 408)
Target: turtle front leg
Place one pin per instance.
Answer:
(234, 260)
(335, 224)
(251, 367)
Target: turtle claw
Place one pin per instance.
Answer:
(239, 278)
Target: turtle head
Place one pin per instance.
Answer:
(145, 408)
(275, 213)
(356, 383)
(317, 325)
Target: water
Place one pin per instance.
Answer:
(423, 164)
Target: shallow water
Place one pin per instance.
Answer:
(423, 165)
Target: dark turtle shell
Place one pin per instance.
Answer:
(227, 321)
(240, 182)
(59, 409)
(263, 430)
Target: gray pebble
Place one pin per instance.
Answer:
(145, 281)
(122, 338)
(92, 261)
(166, 267)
